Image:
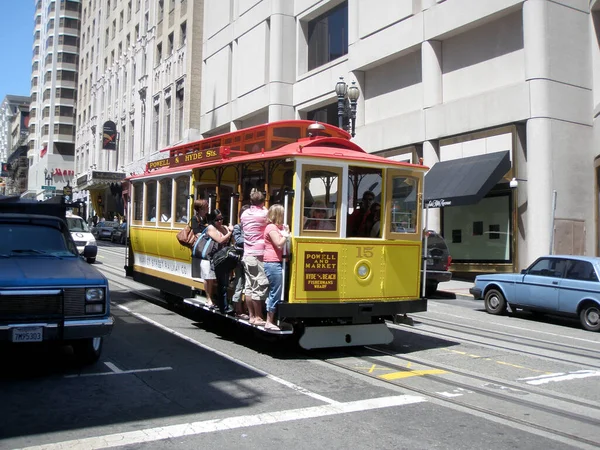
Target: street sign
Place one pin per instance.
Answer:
(49, 188)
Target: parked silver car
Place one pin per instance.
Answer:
(559, 284)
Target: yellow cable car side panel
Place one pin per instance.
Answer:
(354, 270)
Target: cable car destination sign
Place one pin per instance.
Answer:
(196, 156)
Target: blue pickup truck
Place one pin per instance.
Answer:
(47, 290)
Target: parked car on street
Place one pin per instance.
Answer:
(104, 230)
(48, 293)
(563, 285)
(119, 234)
(438, 262)
(82, 236)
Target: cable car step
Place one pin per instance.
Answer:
(286, 328)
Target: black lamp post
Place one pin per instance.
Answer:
(48, 177)
(347, 99)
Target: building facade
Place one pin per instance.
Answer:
(54, 75)
(440, 80)
(140, 67)
(14, 131)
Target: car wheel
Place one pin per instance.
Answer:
(431, 288)
(87, 351)
(91, 260)
(495, 303)
(590, 317)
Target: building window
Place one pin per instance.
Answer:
(158, 53)
(131, 140)
(180, 114)
(328, 36)
(182, 34)
(170, 41)
(161, 9)
(168, 121)
(155, 126)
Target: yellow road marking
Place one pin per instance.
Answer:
(522, 367)
(413, 373)
(372, 368)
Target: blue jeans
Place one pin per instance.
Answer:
(275, 276)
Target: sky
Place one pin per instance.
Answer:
(16, 46)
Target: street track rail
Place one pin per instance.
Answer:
(506, 338)
(546, 406)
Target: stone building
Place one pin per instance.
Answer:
(508, 87)
(139, 69)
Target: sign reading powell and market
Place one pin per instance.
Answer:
(320, 271)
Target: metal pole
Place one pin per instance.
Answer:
(423, 281)
(285, 215)
(554, 194)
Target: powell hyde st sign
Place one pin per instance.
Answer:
(189, 158)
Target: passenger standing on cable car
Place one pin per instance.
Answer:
(199, 219)
(276, 234)
(221, 235)
(198, 224)
(357, 222)
(254, 222)
(239, 279)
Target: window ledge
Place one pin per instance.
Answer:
(324, 67)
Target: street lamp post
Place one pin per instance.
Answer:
(347, 100)
(48, 177)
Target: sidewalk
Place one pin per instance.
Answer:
(456, 287)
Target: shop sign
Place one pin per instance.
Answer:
(439, 203)
(63, 172)
(189, 158)
(320, 271)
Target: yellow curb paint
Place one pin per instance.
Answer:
(413, 373)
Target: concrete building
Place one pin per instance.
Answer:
(54, 75)
(440, 81)
(139, 69)
(14, 123)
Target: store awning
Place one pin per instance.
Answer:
(464, 181)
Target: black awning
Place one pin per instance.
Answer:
(464, 181)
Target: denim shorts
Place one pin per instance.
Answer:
(275, 276)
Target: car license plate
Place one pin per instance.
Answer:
(28, 334)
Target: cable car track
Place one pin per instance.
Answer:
(500, 396)
(508, 392)
(507, 338)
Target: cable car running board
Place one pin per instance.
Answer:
(198, 303)
(345, 336)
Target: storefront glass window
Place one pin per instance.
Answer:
(480, 232)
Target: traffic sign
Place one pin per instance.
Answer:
(49, 188)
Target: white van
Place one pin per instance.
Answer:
(82, 236)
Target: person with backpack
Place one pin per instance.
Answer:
(239, 278)
(211, 240)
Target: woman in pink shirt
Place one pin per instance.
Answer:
(254, 222)
(275, 237)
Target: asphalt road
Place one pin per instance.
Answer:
(457, 379)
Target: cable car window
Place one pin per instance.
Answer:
(364, 202)
(138, 201)
(166, 200)
(321, 199)
(403, 211)
(151, 201)
(182, 189)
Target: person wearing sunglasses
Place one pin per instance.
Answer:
(357, 222)
(220, 236)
